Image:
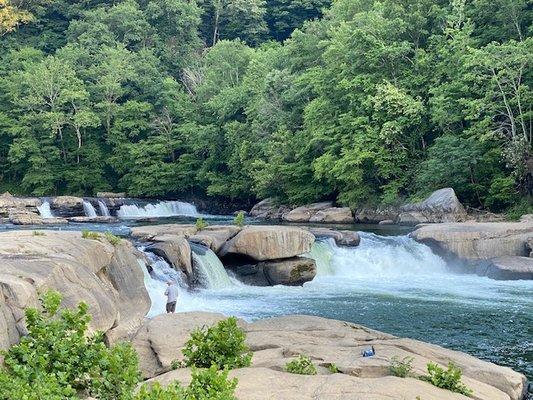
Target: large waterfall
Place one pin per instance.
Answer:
(89, 210)
(104, 211)
(45, 210)
(158, 210)
(212, 273)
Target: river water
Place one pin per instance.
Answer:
(395, 285)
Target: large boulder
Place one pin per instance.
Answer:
(333, 215)
(177, 252)
(215, 236)
(441, 206)
(111, 195)
(268, 209)
(374, 215)
(276, 341)
(107, 277)
(507, 268)
(262, 243)
(289, 272)
(17, 217)
(10, 204)
(161, 232)
(305, 213)
(476, 240)
(67, 206)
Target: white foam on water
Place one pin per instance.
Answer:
(211, 271)
(158, 210)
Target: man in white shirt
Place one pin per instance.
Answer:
(172, 296)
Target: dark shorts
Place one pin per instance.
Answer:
(171, 307)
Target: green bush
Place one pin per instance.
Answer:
(401, 368)
(113, 239)
(90, 235)
(206, 384)
(201, 224)
(333, 368)
(449, 379)
(39, 233)
(301, 365)
(239, 219)
(221, 345)
(57, 359)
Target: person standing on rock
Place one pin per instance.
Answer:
(172, 296)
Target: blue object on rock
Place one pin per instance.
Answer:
(369, 353)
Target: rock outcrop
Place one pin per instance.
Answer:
(333, 215)
(268, 209)
(263, 243)
(177, 252)
(476, 241)
(10, 204)
(67, 206)
(108, 278)
(507, 268)
(276, 341)
(305, 213)
(441, 206)
(290, 272)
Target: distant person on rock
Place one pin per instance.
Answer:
(172, 296)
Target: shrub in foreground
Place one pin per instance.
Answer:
(201, 224)
(239, 219)
(221, 345)
(401, 368)
(57, 359)
(449, 379)
(301, 365)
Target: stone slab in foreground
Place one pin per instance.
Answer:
(276, 341)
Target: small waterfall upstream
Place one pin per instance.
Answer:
(103, 209)
(89, 210)
(159, 210)
(44, 209)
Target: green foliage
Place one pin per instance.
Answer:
(301, 365)
(221, 345)
(333, 368)
(57, 359)
(201, 224)
(524, 207)
(39, 233)
(176, 364)
(449, 379)
(401, 368)
(239, 219)
(113, 239)
(86, 234)
(367, 103)
(173, 391)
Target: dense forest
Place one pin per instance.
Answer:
(359, 101)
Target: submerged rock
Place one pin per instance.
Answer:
(507, 268)
(276, 341)
(289, 272)
(269, 242)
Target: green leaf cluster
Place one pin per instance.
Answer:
(449, 378)
(301, 365)
(222, 345)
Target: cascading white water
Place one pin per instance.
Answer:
(322, 252)
(89, 210)
(211, 272)
(161, 209)
(103, 208)
(45, 210)
(385, 257)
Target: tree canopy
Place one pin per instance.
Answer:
(358, 101)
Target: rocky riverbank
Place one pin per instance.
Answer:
(107, 274)
(499, 250)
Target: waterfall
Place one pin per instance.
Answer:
(161, 209)
(89, 210)
(156, 281)
(322, 252)
(379, 257)
(44, 209)
(103, 209)
(209, 268)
